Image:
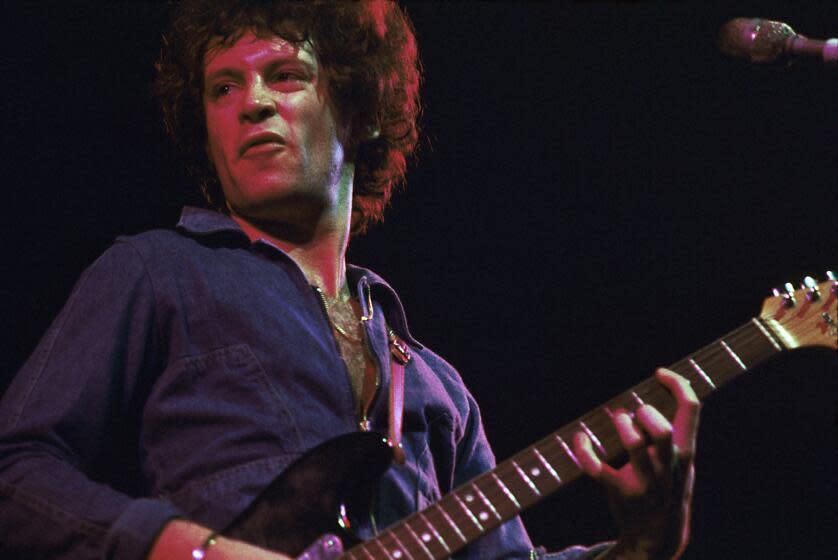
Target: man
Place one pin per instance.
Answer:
(216, 354)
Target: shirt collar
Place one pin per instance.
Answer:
(386, 296)
(201, 221)
(204, 222)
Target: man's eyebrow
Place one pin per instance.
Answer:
(269, 66)
(276, 62)
(223, 73)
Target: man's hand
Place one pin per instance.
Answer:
(179, 538)
(650, 495)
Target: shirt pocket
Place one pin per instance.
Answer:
(212, 413)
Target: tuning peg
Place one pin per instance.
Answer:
(811, 286)
(787, 294)
(831, 277)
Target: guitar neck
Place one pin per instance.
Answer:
(482, 504)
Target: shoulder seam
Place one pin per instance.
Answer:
(156, 316)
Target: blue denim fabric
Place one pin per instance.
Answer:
(186, 370)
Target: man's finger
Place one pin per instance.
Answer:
(634, 443)
(592, 465)
(585, 454)
(685, 422)
(660, 431)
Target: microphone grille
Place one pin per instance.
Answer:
(756, 40)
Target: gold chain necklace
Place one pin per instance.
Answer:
(338, 328)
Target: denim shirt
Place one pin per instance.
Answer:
(185, 371)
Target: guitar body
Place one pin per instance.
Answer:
(305, 502)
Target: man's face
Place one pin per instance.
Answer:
(271, 132)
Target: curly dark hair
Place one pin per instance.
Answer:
(367, 50)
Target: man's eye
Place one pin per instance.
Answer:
(286, 77)
(221, 90)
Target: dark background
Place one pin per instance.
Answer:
(599, 192)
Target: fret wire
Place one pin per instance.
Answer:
(494, 494)
(478, 514)
(600, 422)
(526, 479)
(461, 520)
(608, 437)
(599, 426)
(555, 454)
(701, 373)
(507, 472)
(592, 436)
(380, 544)
(747, 336)
(751, 343)
(507, 491)
(718, 364)
(563, 464)
(453, 526)
(547, 465)
(702, 385)
(362, 547)
(559, 460)
(450, 522)
(418, 540)
(399, 547)
(533, 463)
(752, 330)
(715, 362)
(367, 552)
(526, 460)
(468, 513)
(568, 451)
(486, 500)
(511, 470)
(772, 339)
(433, 529)
(733, 355)
(535, 467)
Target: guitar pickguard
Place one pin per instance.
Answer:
(305, 502)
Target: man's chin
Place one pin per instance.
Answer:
(294, 214)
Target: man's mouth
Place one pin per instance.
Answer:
(263, 142)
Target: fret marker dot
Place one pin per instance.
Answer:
(397, 554)
(483, 516)
(426, 537)
(535, 471)
(469, 497)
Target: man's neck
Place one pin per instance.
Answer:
(321, 257)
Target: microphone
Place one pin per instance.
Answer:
(762, 40)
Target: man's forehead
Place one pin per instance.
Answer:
(250, 49)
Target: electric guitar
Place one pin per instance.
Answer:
(309, 499)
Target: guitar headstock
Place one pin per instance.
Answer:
(807, 316)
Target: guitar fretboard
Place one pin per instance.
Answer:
(482, 504)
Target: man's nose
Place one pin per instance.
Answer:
(258, 103)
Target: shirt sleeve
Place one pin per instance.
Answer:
(510, 540)
(69, 424)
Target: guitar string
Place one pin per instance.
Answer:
(711, 357)
(495, 495)
(597, 420)
(744, 336)
(650, 389)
